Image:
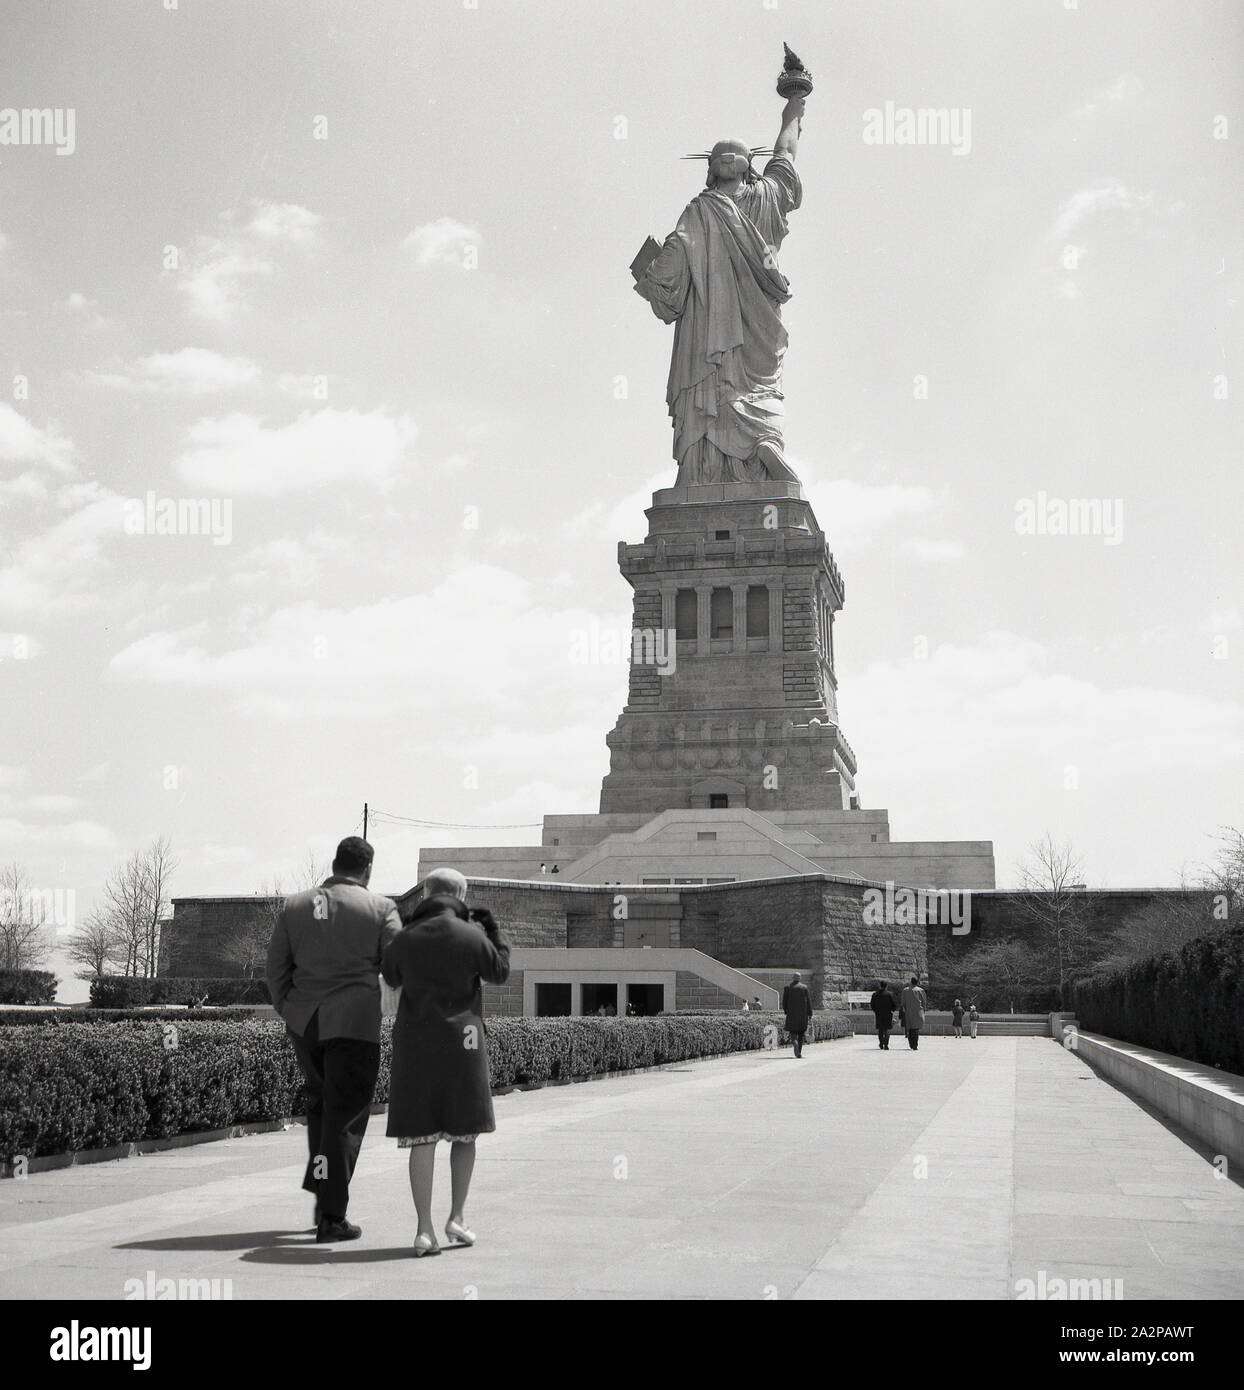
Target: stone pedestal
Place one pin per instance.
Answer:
(732, 699)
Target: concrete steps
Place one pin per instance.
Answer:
(1017, 1027)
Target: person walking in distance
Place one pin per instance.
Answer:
(882, 1005)
(324, 978)
(915, 1001)
(956, 1018)
(797, 1006)
(974, 1017)
(441, 1087)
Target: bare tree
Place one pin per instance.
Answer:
(1161, 925)
(1202, 908)
(1002, 971)
(1226, 874)
(25, 935)
(248, 945)
(1051, 903)
(95, 946)
(135, 899)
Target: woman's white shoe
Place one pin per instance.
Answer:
(457, 1234)
(426, 1245)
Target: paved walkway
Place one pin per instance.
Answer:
(953, 1172)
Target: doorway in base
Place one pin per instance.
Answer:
(645, 1000)
(552, 1001)
(596, 997)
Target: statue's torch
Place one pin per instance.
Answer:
(794, 80)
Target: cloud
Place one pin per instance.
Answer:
(305, 386)
(444, 242)
(45, 805)
(1124, 91)
(190, 371)
(997, 704)
(934, 551)
(85, 310)
(22, 442)
(1225, 620)
(237, 454)
(283, 222)
(479, 628)
(611, 522)
(218, 266)
(26, 487)
(292, 561)
(853, 514)
(1092, 202)
(57, 571)
(21, 837)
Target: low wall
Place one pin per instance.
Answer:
(1203, 1100)
(939, 1023)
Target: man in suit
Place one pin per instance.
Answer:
(915, 1001)
(323, 975)
(797, 1005)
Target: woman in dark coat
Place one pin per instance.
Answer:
(882, 1005)
(440, 1087)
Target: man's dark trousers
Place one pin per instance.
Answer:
(913, 1039)
(883, 1037)
(797, 1039)
(341, 1080)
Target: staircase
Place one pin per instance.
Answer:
(1015, 1025)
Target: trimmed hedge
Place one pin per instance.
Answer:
(17, 1018)
(1189, 1002)
(127, 991)
(27, 986)
(86, 1086)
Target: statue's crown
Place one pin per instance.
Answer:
(752, 150)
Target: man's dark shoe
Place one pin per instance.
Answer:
(330, 1230)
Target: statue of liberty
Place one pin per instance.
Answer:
(717, 281)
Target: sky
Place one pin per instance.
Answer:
(349, 283)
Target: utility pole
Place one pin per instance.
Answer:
(364, 820)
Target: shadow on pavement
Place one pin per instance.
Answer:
(226, 1240)
(312, 1254)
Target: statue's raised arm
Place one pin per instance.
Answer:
(795, 84)
(787, 143)
(716, 279)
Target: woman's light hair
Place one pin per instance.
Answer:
(448, 881)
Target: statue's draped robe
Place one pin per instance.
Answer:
(717, 280)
